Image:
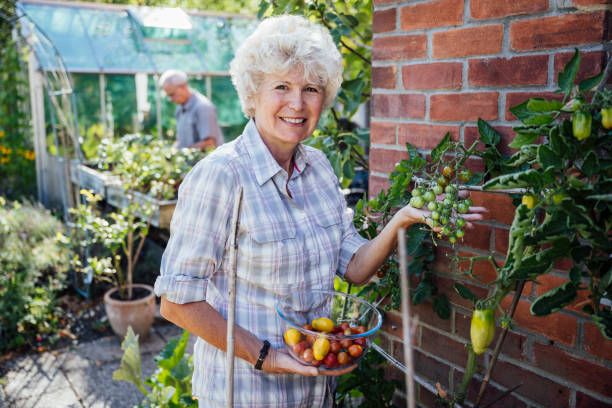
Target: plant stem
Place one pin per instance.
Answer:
(500, 341)
(470, 370)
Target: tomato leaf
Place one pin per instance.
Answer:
(542, 105)
(523, 138)
(422, 292)
(487, 133)
(590, 165)
(442, 307)
(465, 292)
(415, 237)
(441, 148)
(548, 158)
(526, 178)
(554, 300)
(591, 82)
(567, 76)
(538, 120)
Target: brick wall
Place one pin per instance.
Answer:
(438, 66)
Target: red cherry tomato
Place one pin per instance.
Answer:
(344, 358)
(307, 355)
(355, 350)
(334, 347)
(361, 341)
(300, 347)
(345, 343)
(358, 330)
(330, 360)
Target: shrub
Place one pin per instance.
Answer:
(33, 270)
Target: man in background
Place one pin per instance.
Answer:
(196, 116)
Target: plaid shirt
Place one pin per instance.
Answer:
(285, 245)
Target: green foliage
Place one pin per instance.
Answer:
(350, 24)
(142, 164)
(33, 270)
(367, 381)
(17, 167)
(570, 178)
(170, 385)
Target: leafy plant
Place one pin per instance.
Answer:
(170, 385)
(33, 267)
(566, 210)
(142, 164)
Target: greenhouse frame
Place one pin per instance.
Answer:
(99, 66)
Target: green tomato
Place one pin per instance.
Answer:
(459, 233)
(465, 175)
(445, 230)
(447, 203)
(462, 207)
(606, 117)
(450, 189)
(435, 215)
(452, 239)
(444, 219)
(437, 189)
(417, 202)
(429, 196)
(482, 329)
(581, 125)
(431, 206)
(416, 192)
(557, 198)
(469, 202)
(460, 222)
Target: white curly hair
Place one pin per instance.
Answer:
(280, 44)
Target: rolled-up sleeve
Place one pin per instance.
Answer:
(198, 232)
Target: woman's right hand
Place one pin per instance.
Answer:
(279, 361)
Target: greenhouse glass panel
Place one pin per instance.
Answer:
(114, 40)
(213, 37)
(175, 54)
(63, 26)
(121, 98)
(225, 98)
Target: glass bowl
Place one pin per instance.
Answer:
(332, 344)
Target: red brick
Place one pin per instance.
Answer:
(440, 75)
(534, 387)
(563, 264)
(464, 42)
(589, 2)
(478, 237)
(384, 77)
(376, 183)
(485, 9)
(425, 136)
(398, 106)
(558, 31)
(516, 98)
(463, 106)
(443, 347)
(383, 2)
(436, 13)
(384, 160)
(441, 262)
(517, 71)
(595, 343)
(384, 20)
(392, 324)
(589, 375)
(382, 133)
(502, 240)
(492, 394)
(399, 47)
(586, 401)
(430, 368)
(558, 327)
(482, 269)
(425, 398)
(591, 64)
(499, 205)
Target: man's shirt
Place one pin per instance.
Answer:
(196, 120)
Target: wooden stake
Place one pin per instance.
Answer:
(231, 312)
(409, 373)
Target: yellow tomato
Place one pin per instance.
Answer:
(323, 324)
(529, 200)
(320, 348)
(292, 337)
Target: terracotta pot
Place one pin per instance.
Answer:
(137, 313)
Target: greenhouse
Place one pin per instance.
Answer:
(114, 55)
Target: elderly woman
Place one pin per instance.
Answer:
(295, 232)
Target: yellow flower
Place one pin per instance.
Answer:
(1, 133)
(30, 155)
(4, 160)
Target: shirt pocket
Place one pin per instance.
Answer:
(275, 260)
(329, 238)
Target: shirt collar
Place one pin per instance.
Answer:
(190, 102)
(264, 164)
